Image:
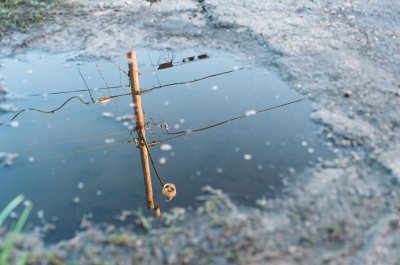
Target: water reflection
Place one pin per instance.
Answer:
(248, 159)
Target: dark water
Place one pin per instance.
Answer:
(248, 158)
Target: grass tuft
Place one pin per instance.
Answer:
(9, 244)
(23, 15)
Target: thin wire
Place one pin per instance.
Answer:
(47, 111)
(175, 64)
(42, 147)
(151, 158)
(78, 151)
(176, 135)
(145, 91)
(77, 90)
(111, 94)
(159, 83)
(191, 81)
(120, 76)
(84, 81)
(125, 94)
(189, 132)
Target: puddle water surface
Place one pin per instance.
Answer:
(248, 158)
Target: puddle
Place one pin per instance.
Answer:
(247, 158)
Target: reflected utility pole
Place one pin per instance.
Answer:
(141, 132)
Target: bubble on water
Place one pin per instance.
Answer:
(182, 120)
(220, 170)
(198, 173)
(260, 167)
(304, 143)
(166, 147)
(107, 114)
(76, 200)
(81, 185)
(215, 87)
(14, 124)
(250, 112)
(28, 203)
(162, 160)
(291, 170)
(29, 71)
(14, 215)
(166, 103)
(177, 126)
(125, 123)
(311, 150)
(31, 159)
(131, 105)
(235, 68)
(99, 193)
(247, 156)
(40, 214)
(109, 140)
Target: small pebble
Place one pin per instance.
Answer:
(348, 94)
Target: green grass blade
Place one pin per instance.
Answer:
(10, 207)
(22, 220)
(5, 254)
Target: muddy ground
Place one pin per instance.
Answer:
(343, 54)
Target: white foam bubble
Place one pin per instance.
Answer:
(250, 112)
(166, 147)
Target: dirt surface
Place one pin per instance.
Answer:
(342, 54)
